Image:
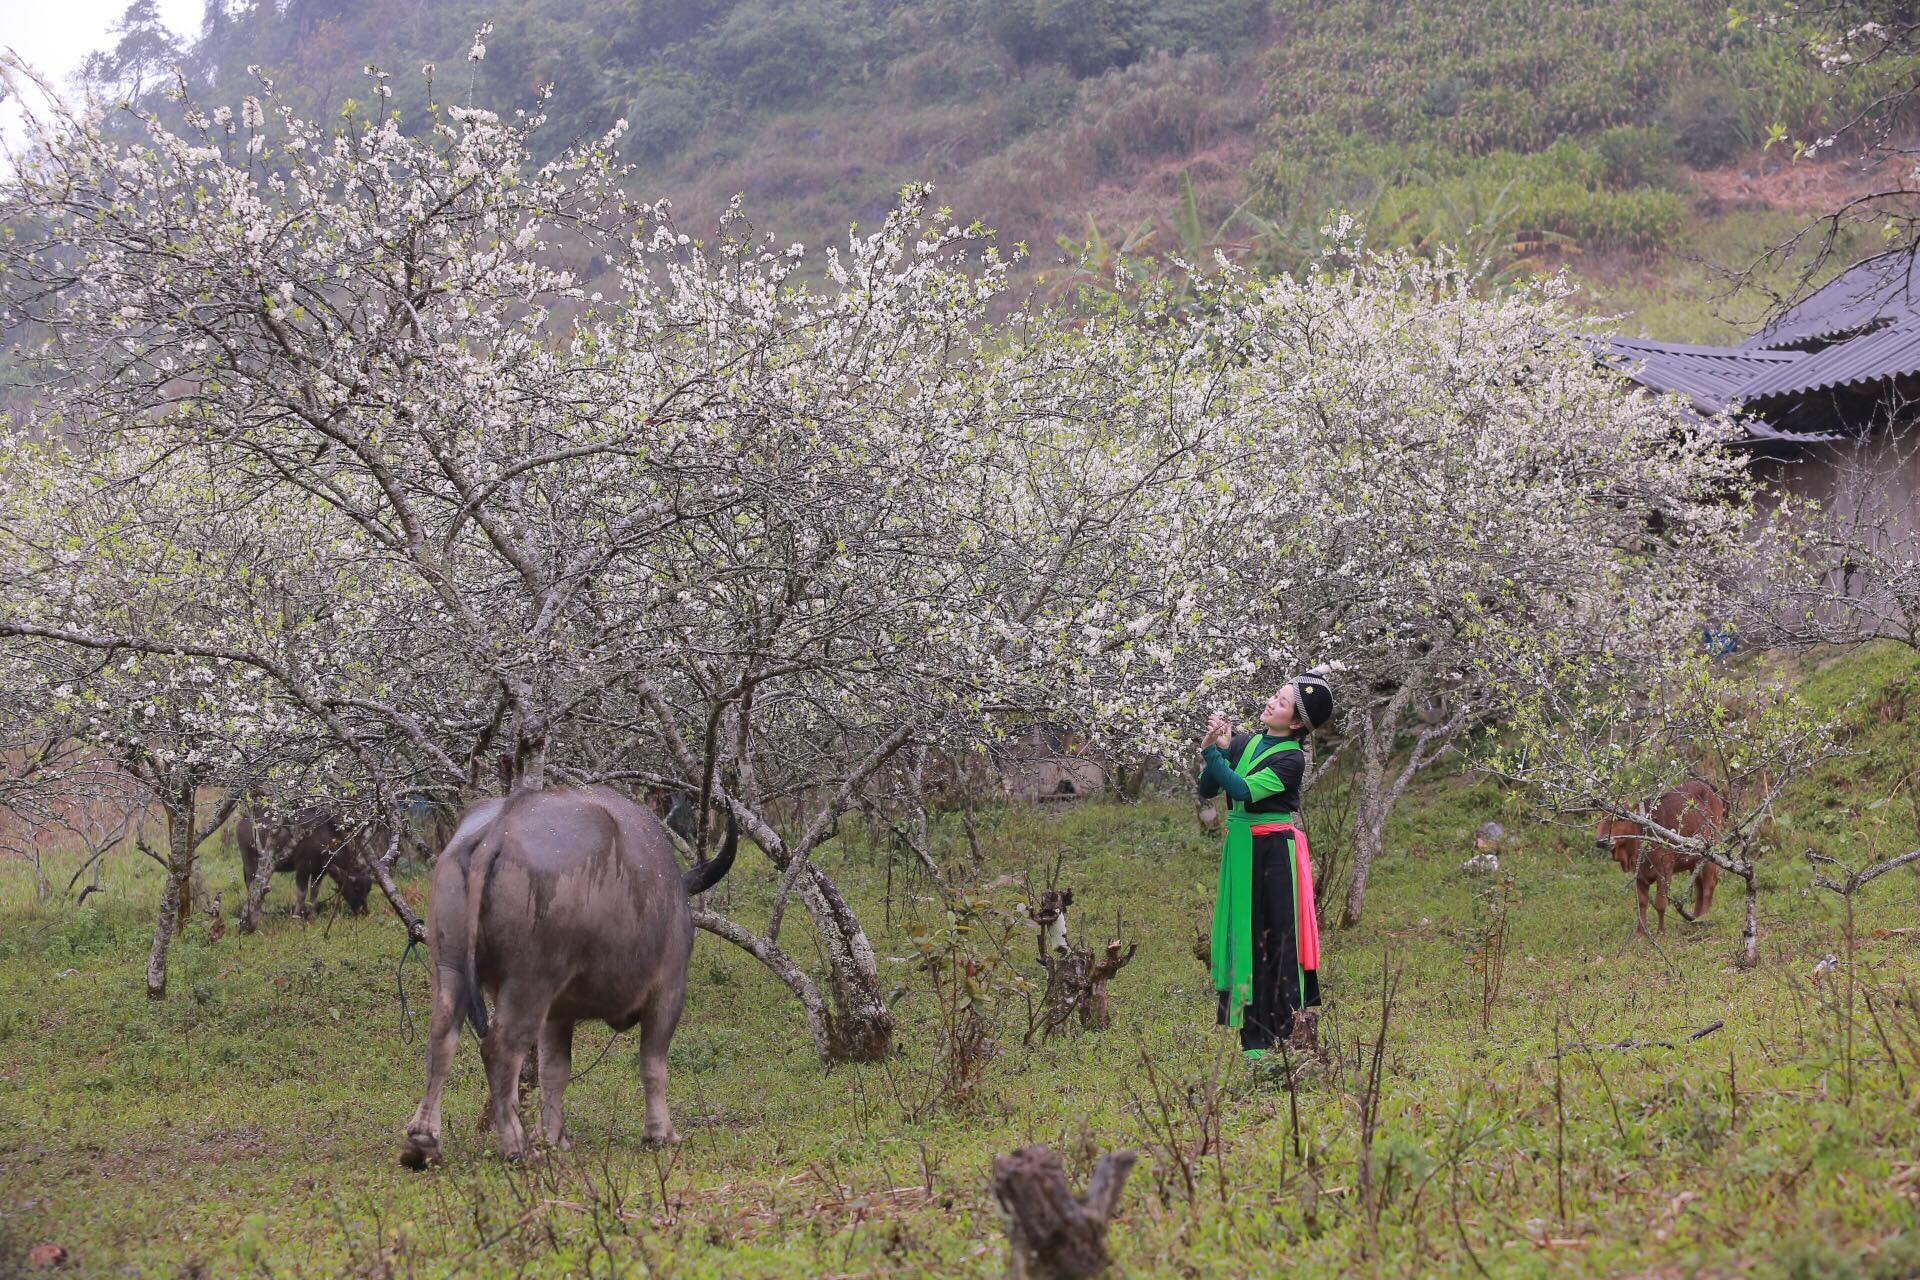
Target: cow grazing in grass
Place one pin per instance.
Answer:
(564, 906)
(312, 843)
(1691, 809)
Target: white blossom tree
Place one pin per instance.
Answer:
(134, 597)
(703, 522)
(708, 526)
(1400, 470)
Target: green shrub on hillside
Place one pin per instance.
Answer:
(666, 109)
(1635, 156)
(1091, 36)
(1085, 35)
(1425, 108)
(1710, 119)
(1609, 193)
(1472, 76)
(1159, 108)
(775, 52)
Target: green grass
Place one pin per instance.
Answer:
(1686, 293)
(249, 1124)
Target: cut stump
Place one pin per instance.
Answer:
(1076, 979)
(1053, 1233)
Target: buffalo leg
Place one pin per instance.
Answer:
(1660, 900)
(556, 1065)
(517, 1018)
(529, 1082)
(443, 1037)
(656, 1034)
(302, 884)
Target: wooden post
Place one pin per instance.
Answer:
(1051, 1232)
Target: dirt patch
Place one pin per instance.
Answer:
(1218, 173)
(219, 1146)
(1773, 180)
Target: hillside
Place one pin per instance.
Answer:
(1619, 140)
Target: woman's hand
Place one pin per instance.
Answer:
(1219, 731)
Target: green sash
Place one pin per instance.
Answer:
(1233, 903)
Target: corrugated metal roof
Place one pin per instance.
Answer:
(1708, 376)
(1886, 289)
(1873, 357)
(1760, 431)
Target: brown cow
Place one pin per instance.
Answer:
(1691, 809)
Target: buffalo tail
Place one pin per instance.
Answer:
(705, 875)
(478, 870)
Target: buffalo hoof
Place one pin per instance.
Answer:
(668, 1138)
(421, 1150)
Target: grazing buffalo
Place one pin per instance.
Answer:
(311, 842)
(564, 906)
(1691, 809)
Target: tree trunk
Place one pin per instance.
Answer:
(861, 1025)
(1377, 728)
(203, 900)
(382, 868)
(1368, 838)
(180, 849)
(1380, 791)
(819, 1016)
(262, 880)
(1750, 927)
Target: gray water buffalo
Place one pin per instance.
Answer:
(311, 843)
(563, 906)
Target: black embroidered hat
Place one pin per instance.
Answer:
(1314, 696)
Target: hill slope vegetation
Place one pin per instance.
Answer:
(1533, 136)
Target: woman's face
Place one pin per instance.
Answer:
(1278, 715)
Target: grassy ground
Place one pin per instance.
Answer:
(249, 1124)
(1686, 293)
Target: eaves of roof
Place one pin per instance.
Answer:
(1874, 357)
(1884, 289)
(1709, 377)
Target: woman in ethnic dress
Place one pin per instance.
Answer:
(1266, 938)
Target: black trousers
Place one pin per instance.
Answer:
(1280, 986)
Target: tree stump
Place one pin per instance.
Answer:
(1050, 1231)
(1076, 981)
(1094, 1013)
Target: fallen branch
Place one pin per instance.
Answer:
(1701, 1034)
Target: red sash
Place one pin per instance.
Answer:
(1306, 916)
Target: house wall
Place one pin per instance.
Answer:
(1875, 481)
